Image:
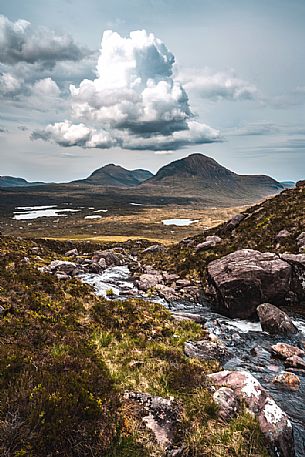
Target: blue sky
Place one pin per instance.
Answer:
(225, 78)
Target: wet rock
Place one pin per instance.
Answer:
(227, 402)
(207, 350)
(295, 362)
(286, 350)
(160, 415)
(72, 253)
(274, 423)
(166, 292)
(102, 263)
(148, 281)
(240, 281)
(275, 321)
(288, 380)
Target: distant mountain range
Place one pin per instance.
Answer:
(196, 177)
(117, 176)
(10, 181)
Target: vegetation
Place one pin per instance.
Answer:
(66, 358)
(258, 230)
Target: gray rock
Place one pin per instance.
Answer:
(154, 249)
(295, 362)
(72, 253)
(160, 415)
(273, 421)
(207, 350)
(227, 402)
(166, 292)
(275, 321)
(241, 281)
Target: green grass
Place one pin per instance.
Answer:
(66, 358)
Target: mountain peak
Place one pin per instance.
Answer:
(115, 175)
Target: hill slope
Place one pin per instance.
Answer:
(10, 181)
(115, 175)
(198, 174)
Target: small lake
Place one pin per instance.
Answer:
(34, 212)
(179, 222)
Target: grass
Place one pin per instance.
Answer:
(66, 358)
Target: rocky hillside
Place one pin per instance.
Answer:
(81, 375)
(115, 175)
(275, 225)
(198, 174)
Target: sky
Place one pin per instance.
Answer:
(141, 83)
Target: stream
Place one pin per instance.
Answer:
(246, 340)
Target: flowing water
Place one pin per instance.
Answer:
(246, 340)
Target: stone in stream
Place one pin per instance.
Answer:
(148, 281)
(275, 321)
(286, 350)
(295, 362)
(273, 421)
(289, 380)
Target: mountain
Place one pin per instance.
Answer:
(115, 175)
(288, 184)
(10, 181)
(200, 175)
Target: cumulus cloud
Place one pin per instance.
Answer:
(135, 102)
(45, 88)
(218, 86)
(9, 84)
(20, 42)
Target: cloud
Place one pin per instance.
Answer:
(255, 129)
(45, 88)
(218, 86)
(135, 102)
(20, 42)
(9, 84)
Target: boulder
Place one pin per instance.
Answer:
(148, 281)
(295, 362)
(166, 292)
(275, 321)
(111, 258)
(160, 415)
(301, 242)
(233, 223)
(297, 262)
(62, 266)
(227, 402)
(239, 282)
(286, 350)
(203, 246)
(288, 380)
(273, 421)
(207, 350)
(153, 249)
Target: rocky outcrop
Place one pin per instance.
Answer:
(275, 321)
(160, 415)
(242, 280)
(274, 423)
(210, 242)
